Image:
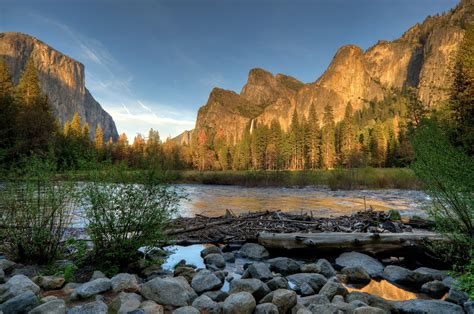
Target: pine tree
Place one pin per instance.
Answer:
(378, 146)
(28, 90)
(347, 135)
(328, 150)
(313, 138)
(8, 114)
(85, 133)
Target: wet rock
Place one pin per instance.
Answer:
(326, 268)
(435, 289)
(186, 310)
(124, 282)
(186, 272)
(97, 274)
(372, 266)
(20, 303)
(151, 307)
(405, 276)
(356, 274)
(229, 257)
(277, 283)
(168, 291)
(284, 265)
(217, 296)
(206, 305)
(315, 281)
(205, 280)
(17, 285)
(434, 273)
(284, 299)
(266, 308)
(368, 310)
(314, 299)
(258, 271)
(239, 303)
(211, 250)
(456, 296)
(93, 287)
(254, 251)
(56, 306)
(125, 302)
(310, 268)
(254, 286)
(427, 306)
(305, 289)
(50, 282)
(332, 288)
(216, 260)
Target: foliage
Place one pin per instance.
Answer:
(37, 212)
(125, 217)
(465, 276)
(448, 175)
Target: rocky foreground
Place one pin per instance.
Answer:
(267, 285)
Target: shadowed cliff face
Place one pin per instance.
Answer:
(61, 79)
(422, 57)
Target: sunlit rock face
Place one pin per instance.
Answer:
(422, 57)
(386, 290)
(61, 78)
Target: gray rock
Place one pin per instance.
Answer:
(2, 276)
(48, 298)
(186, 310)
(356, 274)
(370, 264)
(417, 306)
(239, 303)
(221, 274)
(50, 282)
(186, 272)
(370, 300)
(316, 281)
(310, 268)
(56, 306)
(205, 280)
(17, 285)
(97, 307)
(326, 268)
(258, 271)
(206, 305)
(469, 307)
(254, 286)
(229, 257)
(449, 281)
(266, 308)
(151, 307)
(324, 309)
(434, 273)
(21, 303)
(314, 299)
(216, 260)
(6, 265)
(284, 265)
(28, 270)
(254, 251)
(456, 296)
(125, 302)
(93, 287)
(124, 282)
(435, 289)
(303, 311)
(284, 299)
(337, 299)
(278, 283)
(211, 250)
(332, 288)
(368, 310)
(305, 289)
(217, 296)
(97, 274)
(169, 291)
(405, 276)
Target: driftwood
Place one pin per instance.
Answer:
(373, 243)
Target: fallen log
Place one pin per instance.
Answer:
(373, 243)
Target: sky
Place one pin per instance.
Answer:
(152, 63)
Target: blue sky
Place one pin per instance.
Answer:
(152, 64)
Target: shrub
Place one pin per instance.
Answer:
(125, 217)
(36, 212)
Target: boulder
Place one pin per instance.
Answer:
(205, 280)
(316, 281)
(20, 303)
(332, 288)
(434, 273)
(124, 282)
(254, 251)
(206, 305)
(169, 291)
(253, 286)
(324, 309)
(305, 289)
(404, 276)
(6, 265)
(2, 276)
(50, 282)
(229, 257)
(211, 250)
(469, 307)
(371, 300)
(284, 265)
(284, 299)
(258, 271)
(326, 268)
(356, 274)
(427, 306)
(216, 260)
(239, 303)
(29, 271)
(97, 307)
(186, 310)
(368, 310)
(93, 287)
(151, 307)
(266, 308)
(97, 274)
(56, 306)
(125, 302)
(372, 266)
(221, 274)
(314, 299)
(217, 296)
(456, 296)
(186, 272)
(310, 268)
(278, 283)
(435, 289)
(17, 285)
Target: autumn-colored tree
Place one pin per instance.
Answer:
(121, 149)
(99, 138)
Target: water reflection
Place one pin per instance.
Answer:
(386, 290)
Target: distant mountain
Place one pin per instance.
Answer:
(62, 79)
(422, 57)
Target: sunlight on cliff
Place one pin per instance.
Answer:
(386, 290)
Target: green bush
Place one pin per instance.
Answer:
(465, 277)
(123, 217)
(36, 212)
